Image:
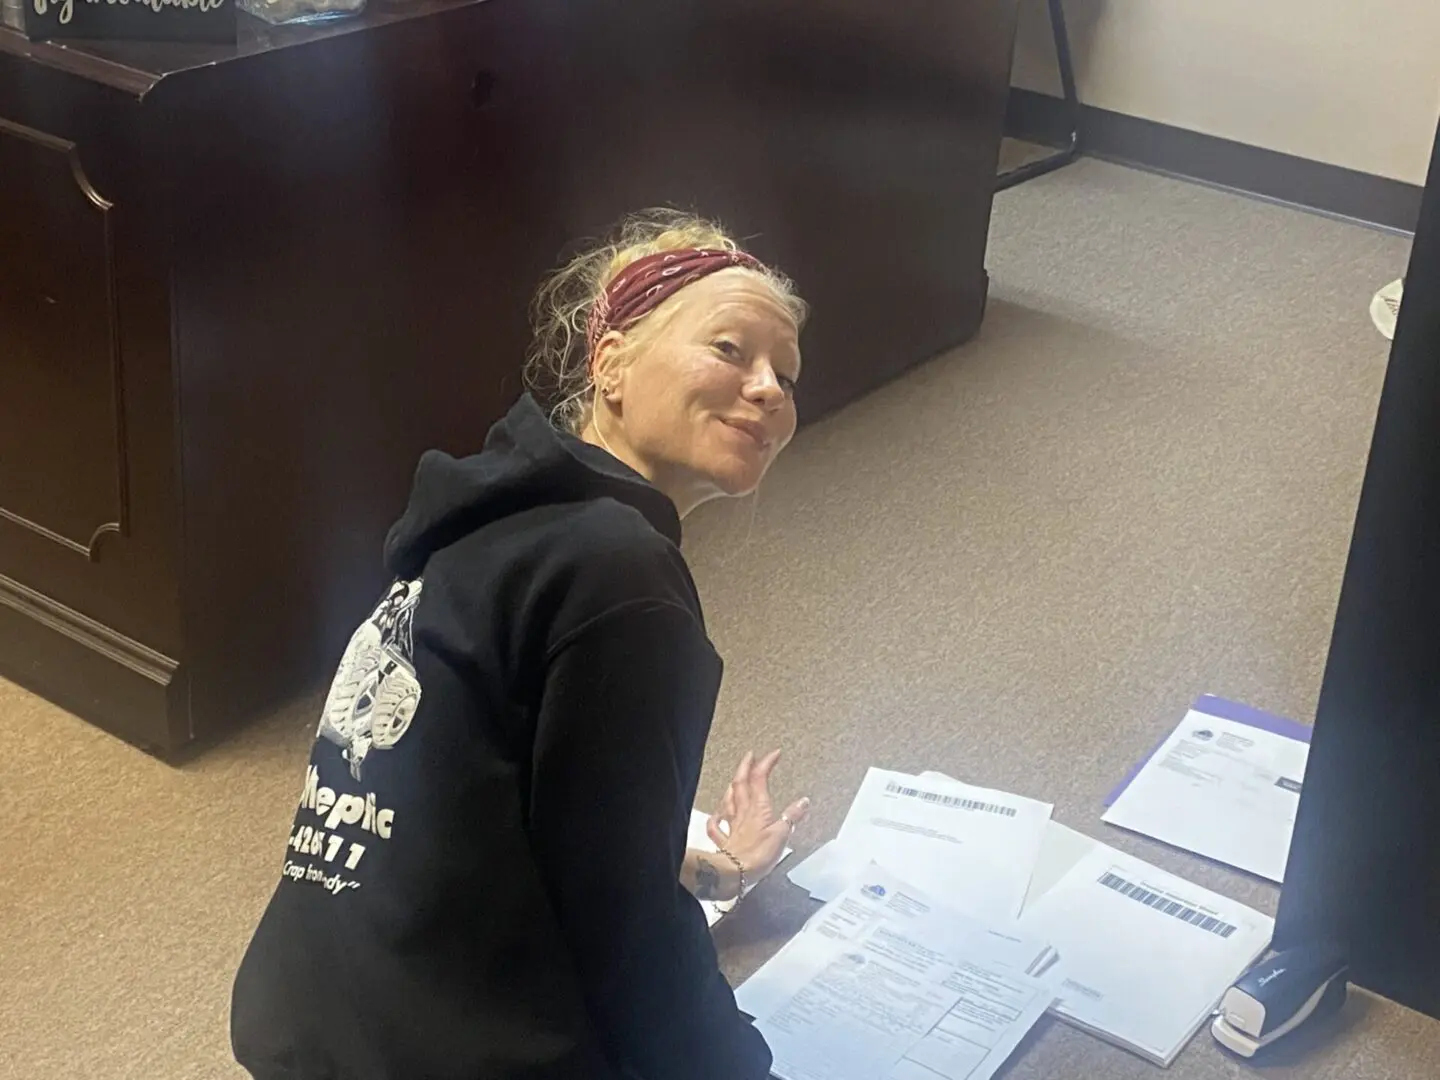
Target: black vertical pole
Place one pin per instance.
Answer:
(1071, 150)
(1365, 861)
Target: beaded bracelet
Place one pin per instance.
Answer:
(740, 869)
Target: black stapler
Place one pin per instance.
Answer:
(1277, 996)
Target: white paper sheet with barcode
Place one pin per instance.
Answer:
(1147, 955)
(971, 848)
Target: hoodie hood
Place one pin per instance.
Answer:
(525, 464)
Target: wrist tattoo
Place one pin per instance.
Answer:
(707, 880)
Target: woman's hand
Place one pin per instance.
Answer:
(748, 826)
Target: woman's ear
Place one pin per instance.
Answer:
(606, 367)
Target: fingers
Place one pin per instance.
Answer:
(749, 793)
(740, 786)
(759, 779)
(743, 769)
(764, 766)
(717, 835)
(796, 812)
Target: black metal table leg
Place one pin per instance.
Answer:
(1071, 150)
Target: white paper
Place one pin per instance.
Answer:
(829, 870)
(996, 1008)
(697, 838)
(858, 1008)
(882, 897)
(1060, 849)
(1146, 955)
(882, 983)
(971, 848)
(1222, 789)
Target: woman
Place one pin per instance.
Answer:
(487, 877)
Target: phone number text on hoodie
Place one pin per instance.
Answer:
(324, 842)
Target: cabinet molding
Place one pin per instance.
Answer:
(83, 630)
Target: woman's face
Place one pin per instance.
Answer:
(702, 408)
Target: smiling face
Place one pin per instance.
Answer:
(700, 397)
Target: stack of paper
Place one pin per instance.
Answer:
(1143, 956)
(1225, 784)
(882, 983)
(973, 847)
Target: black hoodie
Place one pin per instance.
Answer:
(482, 881)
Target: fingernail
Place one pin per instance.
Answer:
(805, 803)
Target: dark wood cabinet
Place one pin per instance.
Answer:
(242, 287)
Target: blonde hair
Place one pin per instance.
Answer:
(557, 364)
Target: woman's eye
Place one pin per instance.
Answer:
(727, 349)
(787, 383)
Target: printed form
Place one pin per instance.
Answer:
(1220, 788)
(883, 984)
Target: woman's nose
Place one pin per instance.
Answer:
(764, 388)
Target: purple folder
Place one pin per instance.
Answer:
(1225, 710)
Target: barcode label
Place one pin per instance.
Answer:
(1169, 907)
(951, 801)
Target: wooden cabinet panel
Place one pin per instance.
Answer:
(62, 437)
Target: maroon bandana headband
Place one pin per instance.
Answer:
(648, 282)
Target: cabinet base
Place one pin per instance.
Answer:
(89, 669)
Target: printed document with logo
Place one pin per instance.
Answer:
(879, 896)
(1146, 955)
(883, 984)
(1225, 784)
(699, 839)
(971, 847)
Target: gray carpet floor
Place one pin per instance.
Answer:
(1017, 565)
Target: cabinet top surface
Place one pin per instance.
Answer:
(137, 66)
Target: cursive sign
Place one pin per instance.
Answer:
(156, 20)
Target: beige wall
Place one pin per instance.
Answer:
(1341, 81)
